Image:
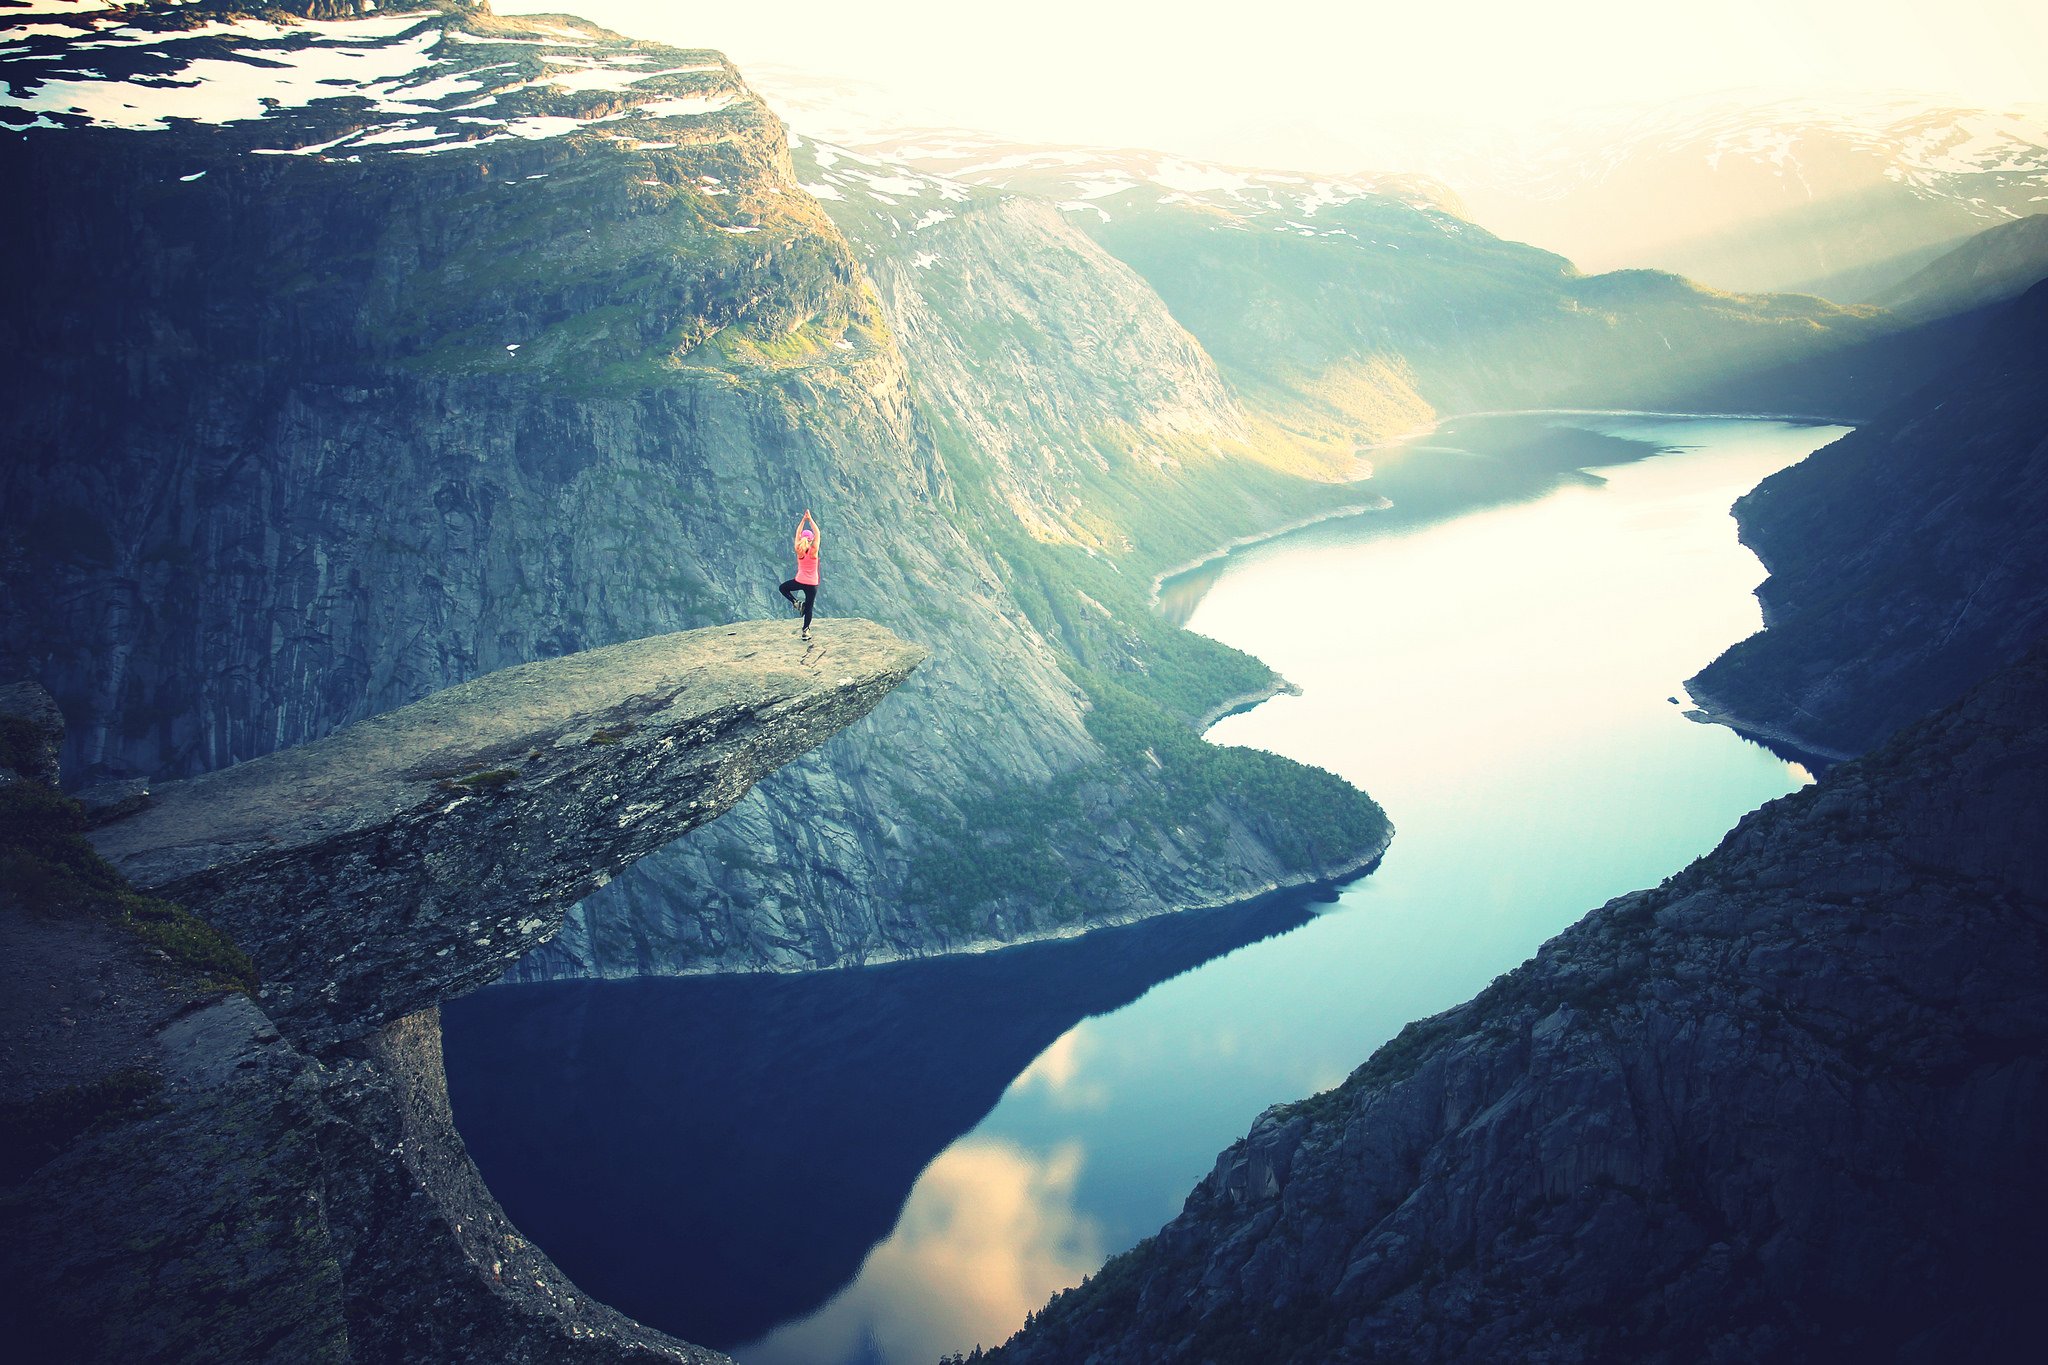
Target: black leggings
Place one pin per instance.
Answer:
(810, 591)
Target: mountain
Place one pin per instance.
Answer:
(1788, 1105)
(360, 356)
(1997, 264)
(1344, 311)
(1904, 558)
(1838, 196)
(1843, 198)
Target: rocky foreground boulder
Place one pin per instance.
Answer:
(1792, 1104)
(225, 1157)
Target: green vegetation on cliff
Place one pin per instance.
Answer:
(49, 868)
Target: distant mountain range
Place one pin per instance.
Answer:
(1842, 198)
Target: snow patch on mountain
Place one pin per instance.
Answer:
(382, 84)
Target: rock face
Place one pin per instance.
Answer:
(1099, 443)
(1792, 1104)
(33, 736)
(1906, 558)
(476, 817)
(284, 1179)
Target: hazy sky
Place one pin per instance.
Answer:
(1186, 76)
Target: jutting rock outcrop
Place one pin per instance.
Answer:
(276, 1176)
(420, 853)
(1792, 1104)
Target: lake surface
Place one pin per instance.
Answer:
(888, 1164)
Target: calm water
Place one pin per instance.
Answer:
(888, 1164)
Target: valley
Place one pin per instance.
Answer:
(1284, 583)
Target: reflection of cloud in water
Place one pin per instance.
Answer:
(1054, 1068)
(988, 1235)
(1057, 1071)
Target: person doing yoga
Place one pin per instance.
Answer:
(807, 539)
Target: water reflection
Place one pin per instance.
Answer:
(1467, 464)
(989, 1234)
(713, 1154)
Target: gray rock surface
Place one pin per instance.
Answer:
(418, 854)
(272, 1205)
(106, 802)
(34, 735)
(1792, 1104)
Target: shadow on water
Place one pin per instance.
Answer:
(714, 1155)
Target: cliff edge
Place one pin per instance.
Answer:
(198, 1166)
(421, 853)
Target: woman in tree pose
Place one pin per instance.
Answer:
(807, 539)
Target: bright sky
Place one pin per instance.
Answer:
(1189, 76)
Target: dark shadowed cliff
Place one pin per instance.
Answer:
(1792, 1104)
(1906, 559)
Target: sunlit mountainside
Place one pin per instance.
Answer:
(1840, 198)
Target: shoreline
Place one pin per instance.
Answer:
(1307, 884)
(1804, 418)
(1159, 580)
(1793, 748)
(1382, 504)
(1245, 701)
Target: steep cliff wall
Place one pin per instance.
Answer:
(1789, 1105)
(192, 1174)
(1906, 558)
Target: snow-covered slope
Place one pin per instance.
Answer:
(1080, 180)
(414, 83)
